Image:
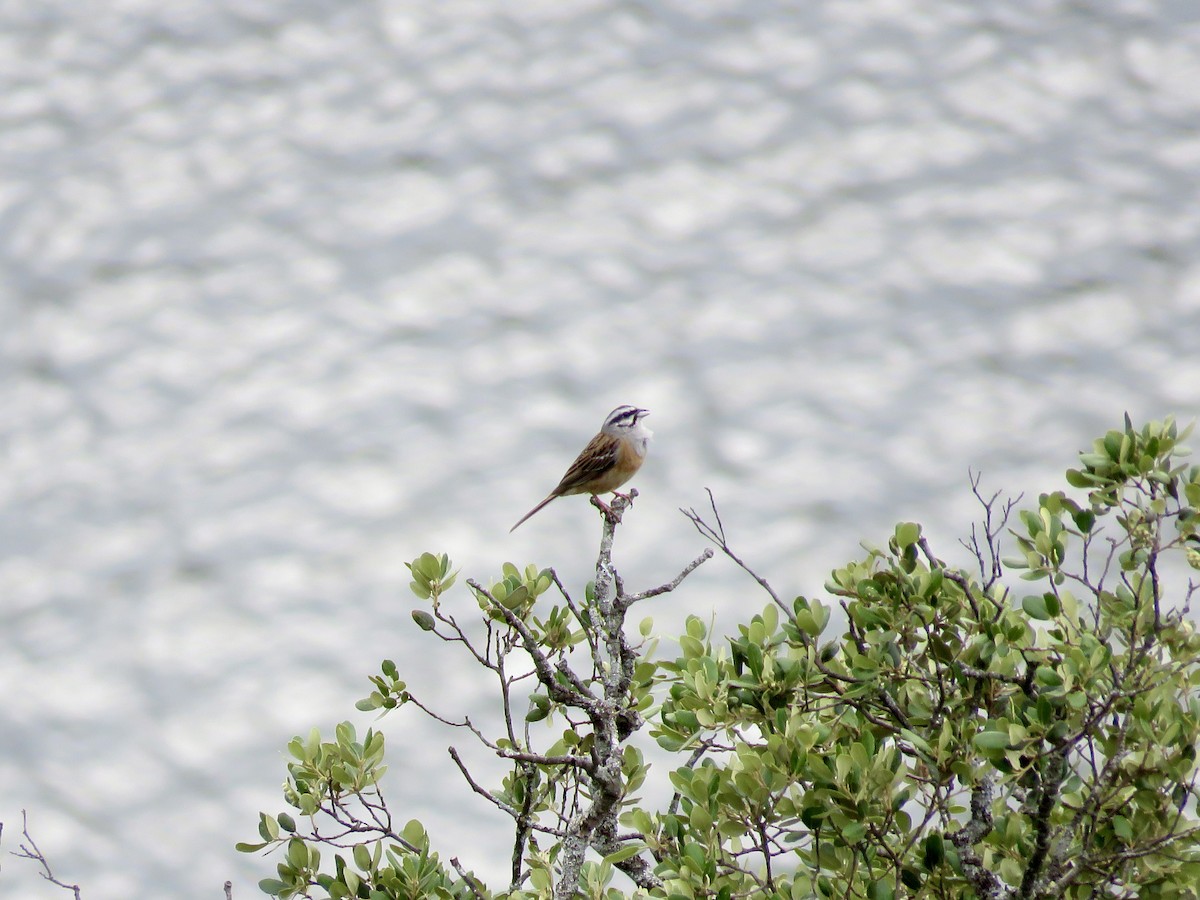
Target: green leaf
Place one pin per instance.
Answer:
(907, 534)
(691, 647)
(1122, 828)
(1047, 676)
(918, 742)
(430, 566)
(414, 833)
(362, 857)
(807, 623)
(424, 620)
(1113, 443)
(1035, 607)
(1084, 520)
(696, 855)
(854, 832)
(991, 740)
(516, 597)
(1079, 479)
(297, 852)
(623, 854)
(935, 851)
(268, 827)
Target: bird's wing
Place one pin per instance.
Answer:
(598, 457)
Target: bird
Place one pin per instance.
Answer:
(608, 461)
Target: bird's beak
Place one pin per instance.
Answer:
(642, 413)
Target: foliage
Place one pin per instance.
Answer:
(955, 740)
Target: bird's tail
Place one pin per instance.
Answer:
(531, 512)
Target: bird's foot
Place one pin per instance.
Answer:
(620, 503)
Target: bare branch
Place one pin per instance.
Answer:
(716, 534)
(30, 850)
(468, 879)
(579, 762)
(465, 723)
(480, 789)
(627, 600)
(988, 554)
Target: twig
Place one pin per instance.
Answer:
(466, 876)
(581, 762)
(716, 534)
(31, 851)
(480, 789)
(524, 822)
(577, 694)
(575, 610)
(465, 723)
(991, 530)
(627, 600)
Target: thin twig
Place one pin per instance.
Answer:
(524, 821)
(627, 600)
(480, 789)
(467, 877)
(577, 695)
(31, 851)
(579, 762)
(575, 611)
(716, 534)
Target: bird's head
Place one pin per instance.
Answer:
(624, 420)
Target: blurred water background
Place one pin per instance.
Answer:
(293, 292)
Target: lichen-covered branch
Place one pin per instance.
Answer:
(613, 720)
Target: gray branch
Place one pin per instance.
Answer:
(613, 719)
(987, 885)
